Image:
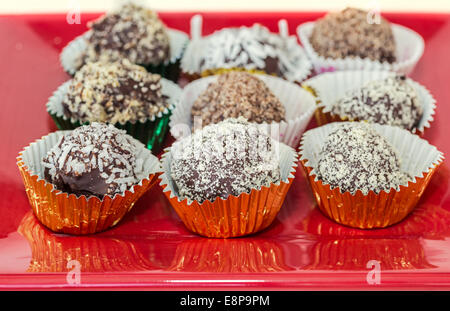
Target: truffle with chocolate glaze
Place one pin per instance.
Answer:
(349, 34)
(94, 160)
(115, 92)
(228, 158)
(132, 32)
(355, 157)
(389, 101)
(250, 48)
(237, 94)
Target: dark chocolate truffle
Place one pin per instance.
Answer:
(237, 94)
(389, 101)
(355, 157)
(114, 92)
(252, 48)
(94, 160)
(132, 32)
(228, 158)
(349, 34)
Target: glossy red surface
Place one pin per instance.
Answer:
(151, 249)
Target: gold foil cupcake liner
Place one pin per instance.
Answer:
(410, 48)
(191, 61)
(236, 215)
(298, 103)
(68, 213)
(417, 157)
(329, 87)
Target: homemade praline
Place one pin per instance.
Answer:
(238, 94)
(228, 158)
(352, 33)
(94, 160)
(355, 157)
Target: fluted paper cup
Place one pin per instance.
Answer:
(191, 61)
(67, 213)
(417, 158)
(72, 54)
(329, 87)
(298, 103)
(151, 132)
(409, 49)
(236, 215)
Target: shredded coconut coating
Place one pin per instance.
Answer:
(349, 34)
(132, 32)
(228, 158)
(115, 92)
(389, 101)
(237, 94)
(252, 48)
(355, 157)
(96, 159)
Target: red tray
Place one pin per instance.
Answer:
(151, 249)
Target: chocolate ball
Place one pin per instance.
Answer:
(238, 94)
(132, 32)
(115, 92)
(389, 101)
(94, 160)
(355, 157)
(228, 158)
(350, 33)
(252, 48)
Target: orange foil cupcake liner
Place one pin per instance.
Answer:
(66, 213)
(372, 210)
(329, 87)
(234, 216)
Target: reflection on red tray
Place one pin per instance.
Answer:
(150, 247)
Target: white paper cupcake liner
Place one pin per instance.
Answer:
(190, 63)
(169, 88)
(299, 104)
(33, 154)
(71, 55)
(332, 86)
(409, 49)
(416, 155)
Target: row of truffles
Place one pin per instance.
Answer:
(114, 92)
(228, 158)
(132, 32)
(389, 101)
(351, 33)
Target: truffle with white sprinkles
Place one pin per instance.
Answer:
(252, 48)
(389, 101)
(228, 158)
(355, 157)
(350, 34)
(236, 94)
(115, 92)
(132, 32)
(94, 160)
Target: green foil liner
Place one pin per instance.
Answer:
(150, 133)
(169, 71)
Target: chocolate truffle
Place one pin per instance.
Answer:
(350, 34)
(228, 158)
(355, 157)
(236, 94)
(94, 160)
(114, 92)
(252, 48)
(389, 101)
(132, 32)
